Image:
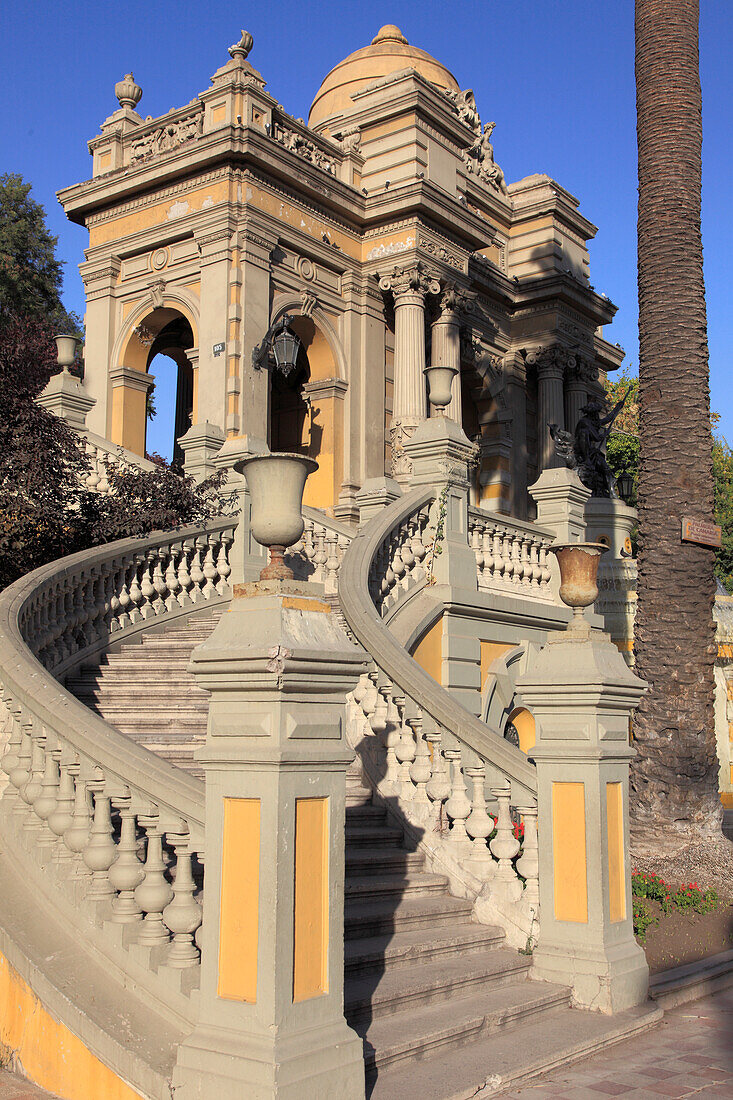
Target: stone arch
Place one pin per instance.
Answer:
(501, 704)
(151, 329)
(316, 410)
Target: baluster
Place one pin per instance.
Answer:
(360, 689)
(320, 557)
(479, 825)
(161, 588)
(526, 563)
(499, 564)
(172, 582)
(115, 581)
(20, 774)
(420, 770)
(147, 587)
(63, 814)
(76, 837)
(457, 807)
(332, 566)
(528, 863)
(505, 845)
(223, 567)
(136, 594)
(518, 567)
(154, 892)
(92, 478)
(408, 558)
(124, 599)
(476, 542)
(392, 736)
(309, 548)
(126, 872)
(12, 749)
(45, 803)
(488, 545)
(183, 914)
(197, 574)
(438, 788)
(209, 569)
(405, 753)
(536, 572)
(32, 790)
(184, 577)
(416, 543)
(378, 718)
(369, 702)
(544, 562)
(101, 461)
(101, 848)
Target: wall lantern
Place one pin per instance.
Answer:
(625, 486)
(280, 342)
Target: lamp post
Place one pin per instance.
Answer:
(625, 486)
(280, 342)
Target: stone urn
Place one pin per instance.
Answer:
(66, 350)
(276, 482)
(440, 382)
(578, 563)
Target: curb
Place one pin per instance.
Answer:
(693, 981)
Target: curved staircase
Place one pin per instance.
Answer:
(444, 1006)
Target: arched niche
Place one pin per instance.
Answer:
(168, 330)
(524, 723)
(306, 412)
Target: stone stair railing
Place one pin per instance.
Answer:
(82, 800)
(317, 556)
(100, 453)
(419, 746)
(511, 556)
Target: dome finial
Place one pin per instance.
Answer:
(390, 33)
(241, 49)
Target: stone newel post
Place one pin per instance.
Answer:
(582, 695)
(271, 1021)
(409, 288)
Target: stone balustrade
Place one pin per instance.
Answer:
(511, 556)
(446, 773)
(318, 554)
(110, 835)
(100, 454)
(403, 561)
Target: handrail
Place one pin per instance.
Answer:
(368, 628)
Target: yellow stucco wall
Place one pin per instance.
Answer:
(48, 1052)
(429, 650)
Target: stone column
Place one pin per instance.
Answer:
(409, 288)
(445, 350)
(550, 363)
(271, 1014)
(582, 695)
(515, 374)
(581, 372)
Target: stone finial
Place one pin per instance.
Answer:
(390, 33)
(241, 49)
(128, 92)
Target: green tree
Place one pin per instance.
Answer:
(30, 273)
(674, 777)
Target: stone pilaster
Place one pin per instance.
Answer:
(582, 695)
(246, 556)
(255, 250)
(100, 320)
(271, 1014)
(409, 288)
(214, 244)
(130, 390)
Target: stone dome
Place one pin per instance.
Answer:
(388, 53)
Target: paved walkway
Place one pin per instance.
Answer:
(690, 1054)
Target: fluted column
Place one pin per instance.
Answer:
(409, 288)
(446, 343)
(580, 374)
(550, 363)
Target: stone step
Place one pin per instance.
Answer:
(368, 917)
(407, 949)
(374, 861)
(120, 699)
(432, 1029)
(496, 1061)
(364, 813)
(382, 886)
(149, 670)
(375, 995)
(366, 836)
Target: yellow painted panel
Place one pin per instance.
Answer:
(129, 418)
(51, 1055)
(160, 213)
(240, 900)
(429, 651)
(568, 851)
(489, 652)
(310, 924)
(727, 796)
(615, 830)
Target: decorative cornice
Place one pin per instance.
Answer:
(154, 197)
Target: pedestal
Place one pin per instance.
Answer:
(200, 445)
(271, 1021)
(582, 695)
(65, 396)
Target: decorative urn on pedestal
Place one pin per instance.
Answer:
(440, 382)
(66, 351)
(578, 563)
(276, 483)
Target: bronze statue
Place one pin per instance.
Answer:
(585, 451)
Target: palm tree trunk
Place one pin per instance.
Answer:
(675, 775)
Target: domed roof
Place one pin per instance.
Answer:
(388, 53)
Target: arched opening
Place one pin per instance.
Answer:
(163, 332)
(306, 413)
(524, 724)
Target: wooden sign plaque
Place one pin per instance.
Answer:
(701, 532)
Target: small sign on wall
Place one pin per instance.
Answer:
(218, 349)
(701, 532)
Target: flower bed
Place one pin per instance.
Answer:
(678, 925)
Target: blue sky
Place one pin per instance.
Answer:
(557, 76)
